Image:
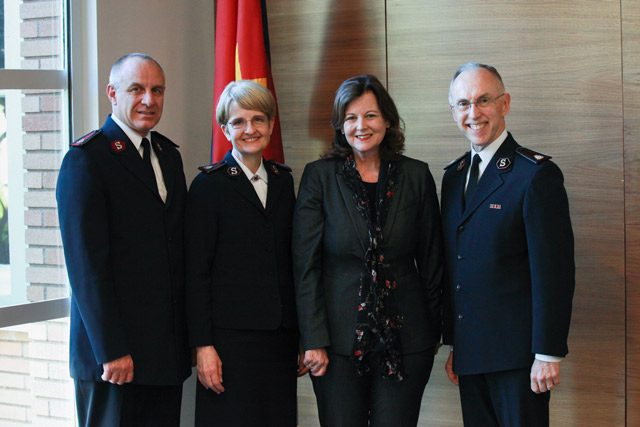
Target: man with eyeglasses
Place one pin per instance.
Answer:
(509, 252)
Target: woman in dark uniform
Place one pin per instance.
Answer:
(240, 298)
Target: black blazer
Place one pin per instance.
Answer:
(330, 239)
(238, 253)
(510, 262)
(124, 253)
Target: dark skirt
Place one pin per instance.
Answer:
(259, 377)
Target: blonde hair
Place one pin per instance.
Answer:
(248, 95)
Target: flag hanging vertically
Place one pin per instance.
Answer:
(242, 53)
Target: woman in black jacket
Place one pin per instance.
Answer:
(367, 252)
(240, 300)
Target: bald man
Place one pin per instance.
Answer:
(510, 261)
(121, 197)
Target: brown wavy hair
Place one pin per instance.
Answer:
(393, 143)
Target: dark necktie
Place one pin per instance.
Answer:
(146, 158)
(473, 178)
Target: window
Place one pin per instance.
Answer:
(35, 388)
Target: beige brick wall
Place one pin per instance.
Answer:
(35, 388)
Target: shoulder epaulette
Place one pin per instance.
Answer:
(453, 162)
(532, 156)
(86, 138)
(212, 167)
(280, 166)
(158, 135)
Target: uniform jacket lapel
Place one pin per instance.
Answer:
(457, 183)
(241, 183)
(492, 178)
(168, 167)
(127, 155)
(274, 187)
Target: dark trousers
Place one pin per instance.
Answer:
(259, 379)
(348, 400)
(102, 404)
(502, 399)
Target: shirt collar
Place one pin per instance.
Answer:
(490, 150)
(134, 136)
(261, 172)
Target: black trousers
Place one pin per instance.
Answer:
(348, 400)
(102, 404)
(502, 399)
(259, 378)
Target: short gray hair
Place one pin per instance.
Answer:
(114, 73)
(474, 66)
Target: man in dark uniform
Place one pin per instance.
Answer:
(509, 253)
(121, 198)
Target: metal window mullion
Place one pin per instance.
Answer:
(34, 312)
(33, 79)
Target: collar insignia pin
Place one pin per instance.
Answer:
(233, 171)
(503, 163)
(117, 146)
(461, 165)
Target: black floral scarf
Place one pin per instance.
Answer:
(377, 333)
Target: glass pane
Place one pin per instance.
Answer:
(32, 36)
(35, 388)
(32, 143)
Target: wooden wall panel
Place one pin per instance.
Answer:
(561, 64)
(315, 45)
(631, 93)
(633, 325)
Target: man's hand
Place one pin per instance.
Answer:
(209, 368)
(118, 371)
(316, 360)
(448, 367)
(545, 376)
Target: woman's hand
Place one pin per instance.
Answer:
(302, 369)
(448, 367)
(209, 368)
(317, 361)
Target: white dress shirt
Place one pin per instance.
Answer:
(259, 180)
(136, 139)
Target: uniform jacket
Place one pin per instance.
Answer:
(330, 239)
(124, 253)
(238, 253)
(510, 264)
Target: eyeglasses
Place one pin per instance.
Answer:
(482, 102)
(256, 122)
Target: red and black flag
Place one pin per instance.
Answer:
(242, 53)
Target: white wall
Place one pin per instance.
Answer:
(179, 35)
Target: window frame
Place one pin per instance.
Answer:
(81, 61)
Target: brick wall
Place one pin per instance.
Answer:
(35, 388)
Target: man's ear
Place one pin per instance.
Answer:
(111, 93)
